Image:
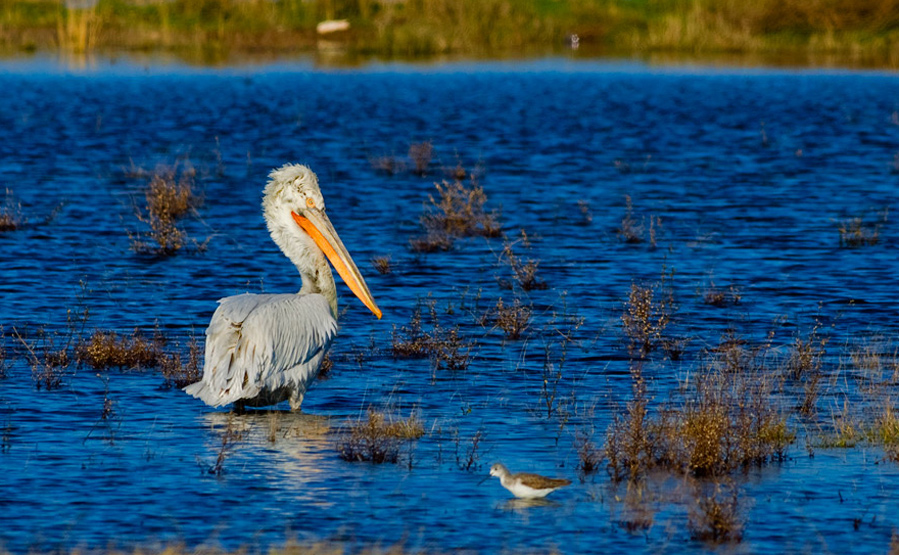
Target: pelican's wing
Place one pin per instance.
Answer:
(256, 344)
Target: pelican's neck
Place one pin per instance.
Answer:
(309, 260)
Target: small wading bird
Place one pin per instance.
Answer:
(527, 486)
(264, 349)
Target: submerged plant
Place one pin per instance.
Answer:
(632, 231)
(590, 456)
(2, 353)
(468, 456)
(180, 374)
(378, 438)
(721, 298)
(523, 272)
(108, 349)
(168, 197)
(724, 421)
(857, 233)
(230, 438)
(458, 211)
(389, 165)
(420, 154)
(512, 319)
(716, 518)
(10, 213)
(382, 264)
(647, 313)
(446, 348)
(48, 361)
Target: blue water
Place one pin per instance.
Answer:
(750, 171)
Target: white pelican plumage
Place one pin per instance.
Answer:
(264, 349)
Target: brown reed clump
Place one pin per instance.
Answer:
(453, 352)
(885, 431)
(846, 429)
(638, 513)
(431, 242)
(469, 458)
(421, 154)
(716, 519)
(586, 214)
(389, 165)
(630, 230)
(178, 374)
(877, 368)
(412, 341)
(444, 347)
(513, 319)
(2, 353)
(724, 423)
(633, 231)
(106, 350)
(525, 273)
(168, 197)
(11, 217)
(806, 355)
(721, 298)
(459, 212)
(378, 439)
(647, 312)
(589, 455)
(48, 361)
(382, 264)
(628, 444)
(856, 233)
(457, 172)
(230, 438)
(721, 423)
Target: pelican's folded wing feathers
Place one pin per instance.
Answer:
(258, 344)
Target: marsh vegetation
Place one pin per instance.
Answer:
(168, 196)
(691, 355)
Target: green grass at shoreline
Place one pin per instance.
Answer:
(418, 28)
(474, 27)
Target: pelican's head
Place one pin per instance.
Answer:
(295, 187)
(293, 202)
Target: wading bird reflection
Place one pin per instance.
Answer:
(264, 349)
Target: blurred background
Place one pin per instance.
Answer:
(854, 32)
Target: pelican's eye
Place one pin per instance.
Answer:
(310, 202)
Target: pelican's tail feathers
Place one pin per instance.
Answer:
(201, 391)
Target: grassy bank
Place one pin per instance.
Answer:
(863, 29)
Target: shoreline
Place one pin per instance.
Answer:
(342, 59)
(769, 32)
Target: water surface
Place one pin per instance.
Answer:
(750, 171)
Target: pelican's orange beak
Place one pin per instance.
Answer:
(316, 223)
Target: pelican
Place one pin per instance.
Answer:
(264, 349)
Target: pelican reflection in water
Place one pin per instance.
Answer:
(265, 349)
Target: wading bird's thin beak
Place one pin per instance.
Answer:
(318, 226)
(487, 477)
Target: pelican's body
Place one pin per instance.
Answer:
(265, 349)
(524, 485)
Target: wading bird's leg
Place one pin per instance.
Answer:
(296, 399)
(238, 407)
